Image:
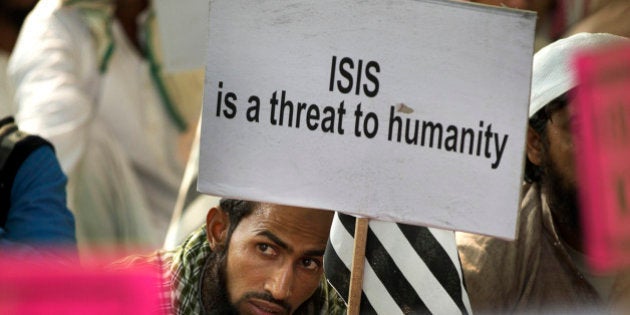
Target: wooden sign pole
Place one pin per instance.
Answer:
(358, 262)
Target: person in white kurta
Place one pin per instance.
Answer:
(105, 116)
(12, 13)
(6, 91)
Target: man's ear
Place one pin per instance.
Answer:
(534, 146)
(217, 223)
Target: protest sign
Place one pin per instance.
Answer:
(406, 111)
(183, 26)
(602, 154)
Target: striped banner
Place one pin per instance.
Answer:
(408, 270)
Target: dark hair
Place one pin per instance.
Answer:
(538, 122)
(236, 210)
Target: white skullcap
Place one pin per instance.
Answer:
(552, 73)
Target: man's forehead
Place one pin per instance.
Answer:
(269, 210)
(290, 219)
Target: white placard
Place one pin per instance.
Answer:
(316, 103)
(183, 26)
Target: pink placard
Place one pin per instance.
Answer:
(602, 143)
(37, 286)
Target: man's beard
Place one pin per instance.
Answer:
(214, 293)
(562, 198)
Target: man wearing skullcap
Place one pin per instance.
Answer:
(543, 270)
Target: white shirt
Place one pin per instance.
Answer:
(61, 95)
(6, 91)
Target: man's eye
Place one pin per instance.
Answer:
(311, 264)
(265, 249)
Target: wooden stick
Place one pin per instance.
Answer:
(358, 261)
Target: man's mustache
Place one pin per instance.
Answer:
(267, 297)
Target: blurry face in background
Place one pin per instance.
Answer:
(561, 150)
(559, 174)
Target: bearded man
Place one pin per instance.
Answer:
(249, 258)
(543, 270)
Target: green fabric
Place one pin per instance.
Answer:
(334, 304)
(183, 269)
(99, 16)
(156, 75)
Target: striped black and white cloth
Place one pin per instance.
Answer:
(408, 269)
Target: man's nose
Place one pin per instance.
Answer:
(280, 282)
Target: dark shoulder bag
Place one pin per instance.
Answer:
(15, 147)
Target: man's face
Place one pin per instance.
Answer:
(558, 163)
(560, 150)
(274, 258)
